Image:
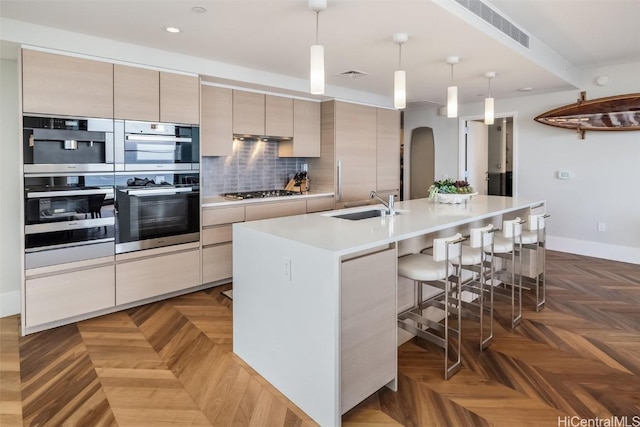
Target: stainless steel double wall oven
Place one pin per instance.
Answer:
(96, 187)
(68, 189)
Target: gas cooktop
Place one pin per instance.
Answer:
(259, 194)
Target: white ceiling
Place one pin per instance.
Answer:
(275, 35)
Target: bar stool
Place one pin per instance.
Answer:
(534, 238)
(438, 271)
(477, 257)
(508, 245)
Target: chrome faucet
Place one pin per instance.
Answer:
(389, 205)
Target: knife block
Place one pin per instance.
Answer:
(297, 187)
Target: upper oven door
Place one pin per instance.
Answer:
(157, 146)
(53, 144)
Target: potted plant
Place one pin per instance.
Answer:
(450, 191)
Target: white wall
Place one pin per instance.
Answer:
(9, 191)
(605, 184)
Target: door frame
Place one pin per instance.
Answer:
(461, 142)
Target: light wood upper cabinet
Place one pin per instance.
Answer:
(360, 153)
(136, 93)
(278, 116)
(248, 113)
(179, 98)
(306, 131)
(355, 134)
(66, 85)
(388, 151)
(155, 96)
(216, 122)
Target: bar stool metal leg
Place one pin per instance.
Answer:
(438, 272)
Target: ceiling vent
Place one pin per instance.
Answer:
(493, 18)
(353, 74)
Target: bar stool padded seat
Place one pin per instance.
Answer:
(502, 245)
(422, 268)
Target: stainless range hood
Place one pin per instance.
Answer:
(266, 138)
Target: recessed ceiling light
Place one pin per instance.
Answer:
(173, 29)
(525, 89)
(198, 9)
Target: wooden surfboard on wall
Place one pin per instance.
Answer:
(617, 113)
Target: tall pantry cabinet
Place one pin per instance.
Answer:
(360, 153)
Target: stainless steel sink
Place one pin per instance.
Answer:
(354, 216)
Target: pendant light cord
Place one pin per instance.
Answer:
(400, 56)
(317, 24)
(451, 74)
(489, 87)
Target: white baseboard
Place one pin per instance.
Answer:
(594, 249)
(9, 303)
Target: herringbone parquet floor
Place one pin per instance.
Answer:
(170, 363)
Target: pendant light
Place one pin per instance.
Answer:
(488, 102)
(452, 91)
(399, 76)
(316, 57)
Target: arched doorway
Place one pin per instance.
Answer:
(421, 162)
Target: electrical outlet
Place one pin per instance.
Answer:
(602, 226)
(286, 268)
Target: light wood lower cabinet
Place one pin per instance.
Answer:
(217, 216)
(217, 262)
(217, 233)
(68, 294)
(157, 275)
(320, 204)
(274, 210)
(368, 355)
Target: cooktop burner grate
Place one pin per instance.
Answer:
(259, 194)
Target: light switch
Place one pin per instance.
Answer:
(564, 175)
(286, 268)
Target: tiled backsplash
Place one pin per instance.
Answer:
(254, 165)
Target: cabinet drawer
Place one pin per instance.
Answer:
(216, 216)
(64, 295)
(319, 205)
(221, 234)
(217, 263)
(150, 277)
(274, 210)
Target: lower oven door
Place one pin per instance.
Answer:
(156, 217)
(68, 226)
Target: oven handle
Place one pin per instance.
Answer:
(68, 225)
(68, 245)
(38, 194)
(159, 191)
(156, 138)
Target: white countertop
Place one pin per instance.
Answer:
(219, 201)
(416, 218)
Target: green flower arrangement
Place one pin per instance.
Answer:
(449, 186)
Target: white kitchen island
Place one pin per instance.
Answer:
(315, 297)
